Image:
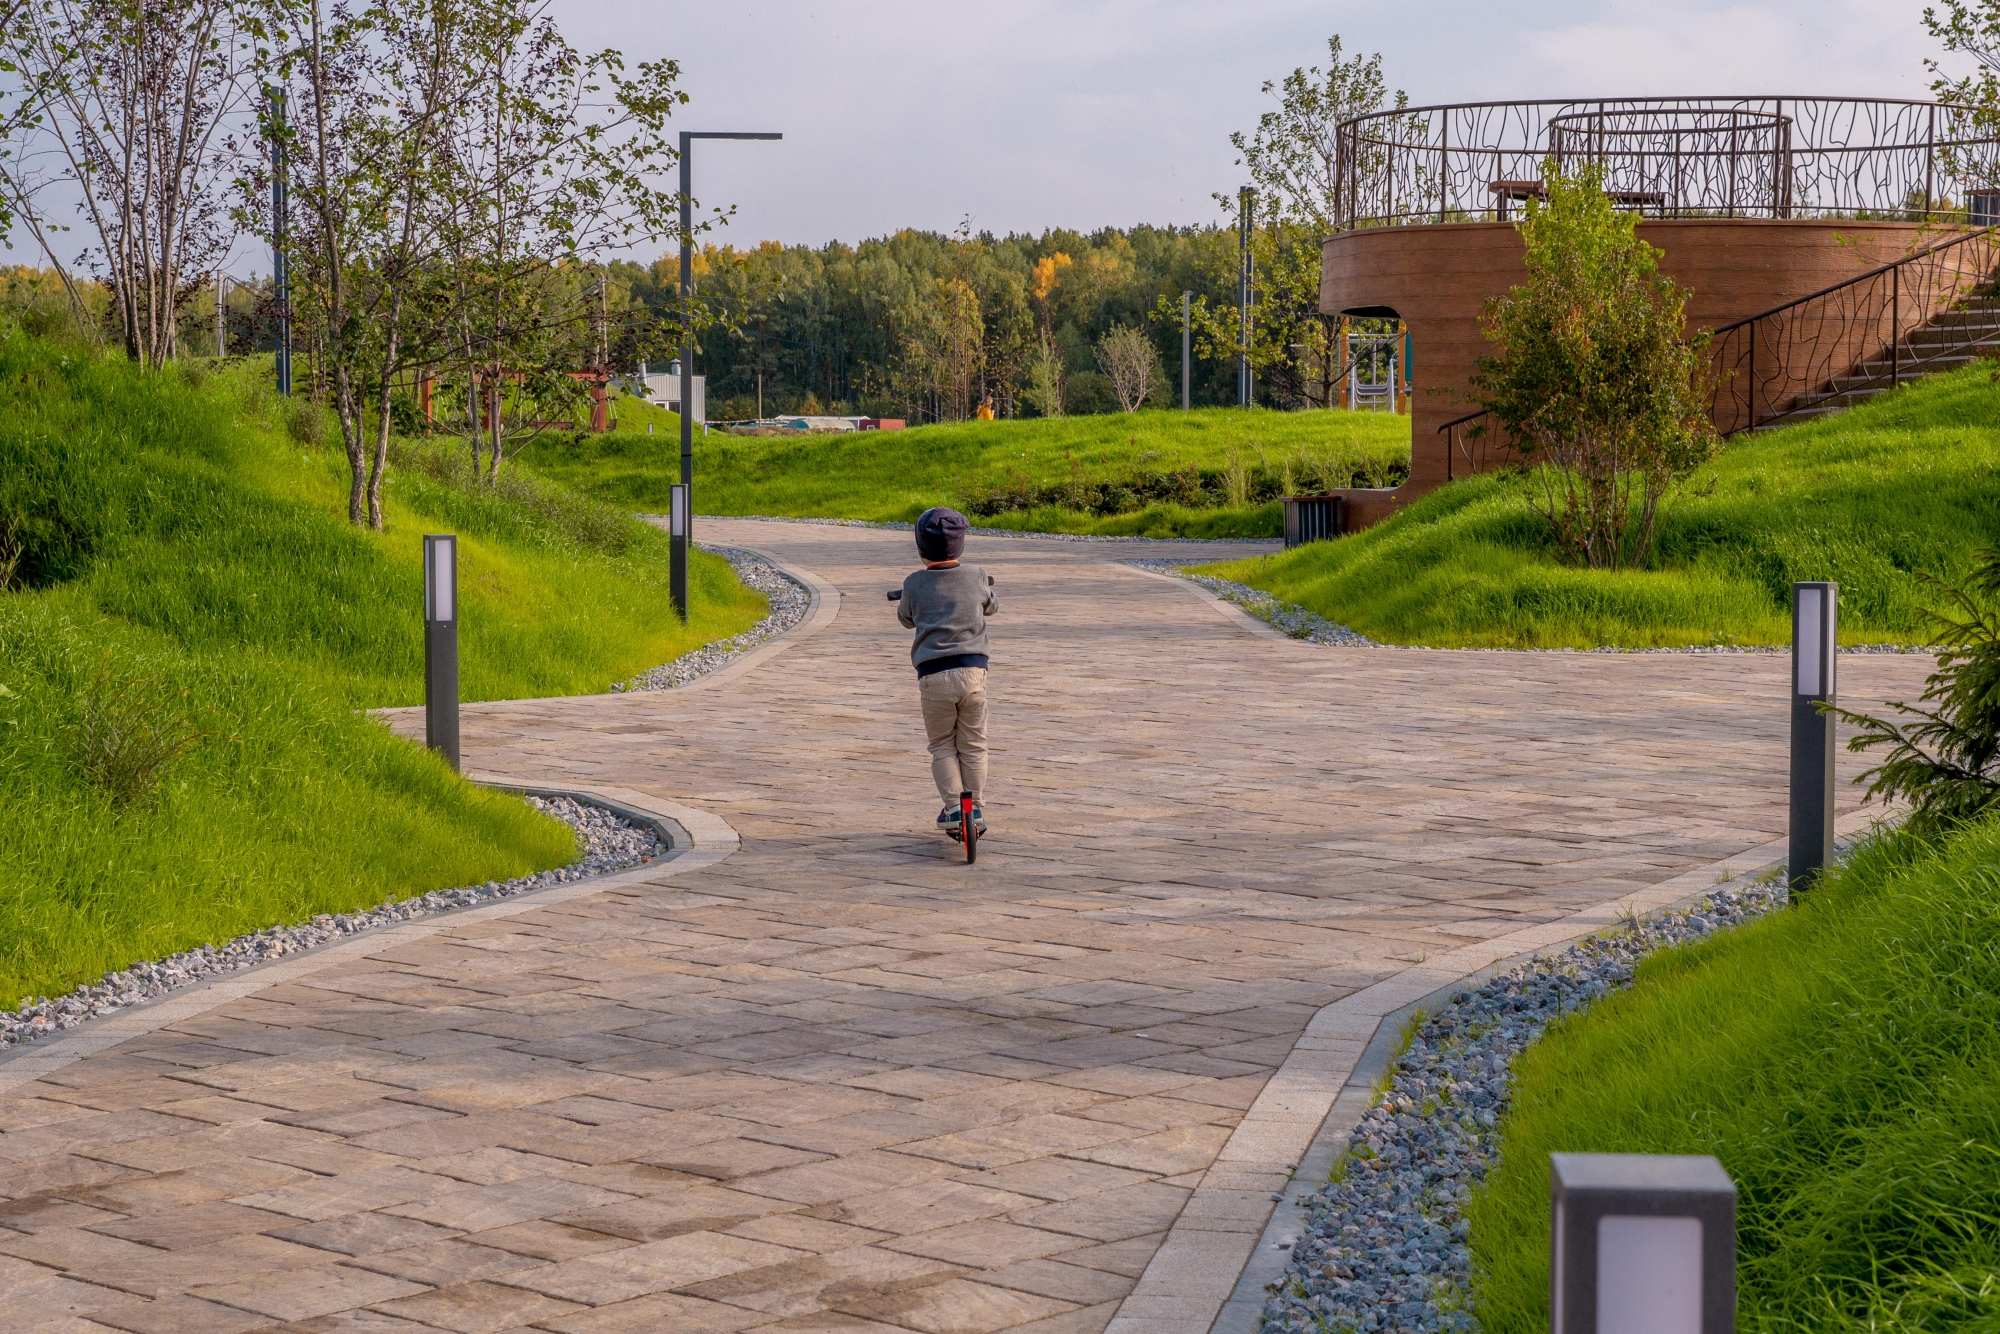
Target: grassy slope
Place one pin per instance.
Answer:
(1866, 498)
(1841, 1059)
(201, 560)
(895, 475)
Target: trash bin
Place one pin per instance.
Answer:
(1311, 519)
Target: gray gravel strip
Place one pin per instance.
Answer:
(1304, 623)
(608, 844)
(1385, 1245)
(789, 601)
(1296, 621)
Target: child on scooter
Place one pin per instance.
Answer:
(947, 603)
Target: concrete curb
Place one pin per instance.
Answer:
(707, 839)
(1235, 1232)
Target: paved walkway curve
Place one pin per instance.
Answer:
(834, 1080)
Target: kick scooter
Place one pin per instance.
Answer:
(968, 828)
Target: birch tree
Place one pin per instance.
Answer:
(125, 103)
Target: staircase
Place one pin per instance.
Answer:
(1949, 340)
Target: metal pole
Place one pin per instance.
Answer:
(678, 574)
(1187, 345)
(678, 582)
(221, 337)
(1815, 637)
(280, 270)
(441, 645)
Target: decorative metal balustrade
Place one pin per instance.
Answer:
(1693, 157)
(1855, 338)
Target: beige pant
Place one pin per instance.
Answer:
(955, 726)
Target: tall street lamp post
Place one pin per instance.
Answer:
(681, 539)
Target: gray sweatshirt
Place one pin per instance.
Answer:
(948, 610)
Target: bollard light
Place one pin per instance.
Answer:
(677, 532)
(1641, 1244)
(441, 645)
(1815, 630)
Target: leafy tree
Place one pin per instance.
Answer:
(1592, 379)
(1130, 363)
(1292, 154)
(1973, 28)
(1945, 757)
(1046, 389)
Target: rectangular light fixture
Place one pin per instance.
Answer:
(1641, 1244)
(677, 516)
(1815, 612)
(440, 577)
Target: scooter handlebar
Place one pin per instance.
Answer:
(895, 595)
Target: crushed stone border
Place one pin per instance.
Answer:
(1385, 1244)
(789, 601)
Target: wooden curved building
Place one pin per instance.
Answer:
(1750, 210)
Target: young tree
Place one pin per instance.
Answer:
(1044, 391)
(373, 88)
(1293, 161)
(1971, 27)
(129, 100)
(1592, 378)
(560, 158)
(1292, 155)
(1130, 362)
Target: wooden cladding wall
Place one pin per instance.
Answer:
(1439, 278)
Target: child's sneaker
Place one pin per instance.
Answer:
(948, 821)
(978, 821)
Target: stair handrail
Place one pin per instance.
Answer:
(1893, 269)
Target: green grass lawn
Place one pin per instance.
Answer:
(191, 581)
(1208, 473)
(1842, 1059)
(1868, 498)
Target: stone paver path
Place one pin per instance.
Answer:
(836, 1080)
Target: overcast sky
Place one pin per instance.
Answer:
(1035, 114)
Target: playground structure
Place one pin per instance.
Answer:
(1374, 367)
(1770, 209)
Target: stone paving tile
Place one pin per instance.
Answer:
(839, 1083)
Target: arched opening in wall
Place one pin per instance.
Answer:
(1371, 360)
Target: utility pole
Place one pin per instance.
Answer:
(221, 295)
(1187, 299)
(280, 270)
(1246, 199)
